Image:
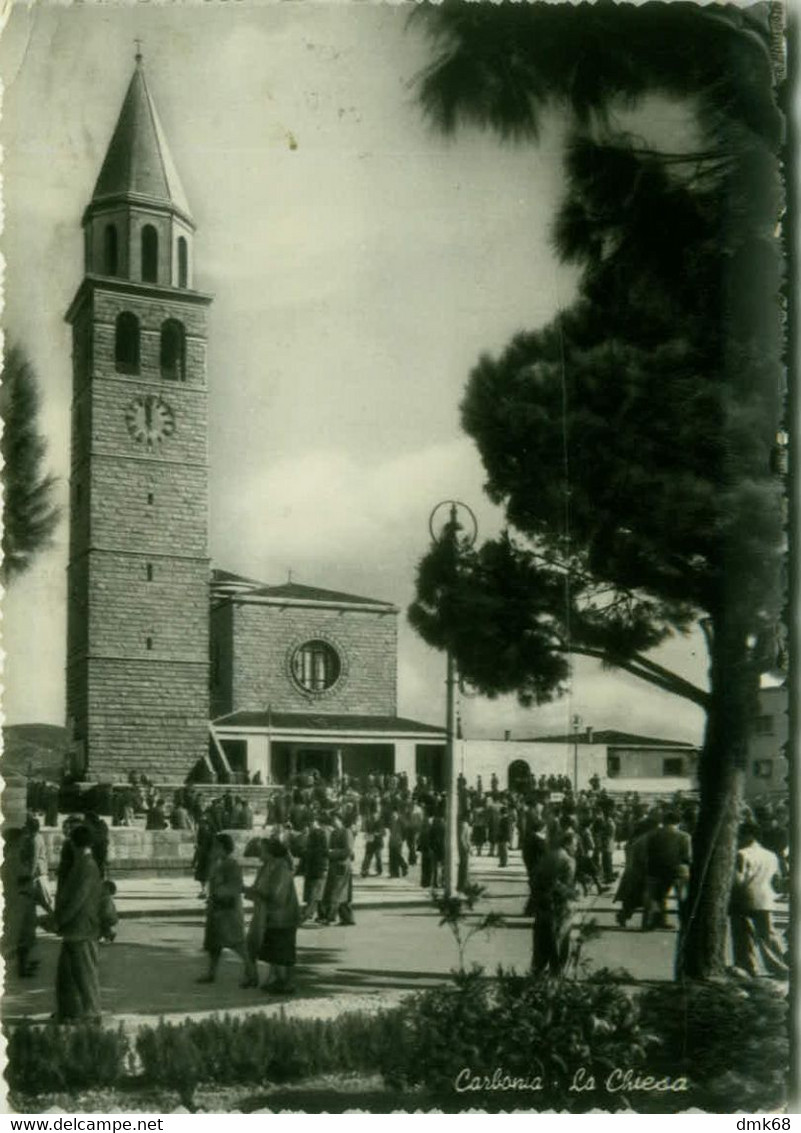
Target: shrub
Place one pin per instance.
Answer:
(64, 1058)
(731, 1039)
(525, 1028)
(261, 1049)
(170, 1058)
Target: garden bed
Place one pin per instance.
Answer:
(496, 1044)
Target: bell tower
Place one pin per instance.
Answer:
(138, 574)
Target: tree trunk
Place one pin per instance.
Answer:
(734, 690)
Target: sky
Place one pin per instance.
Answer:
(360, 264)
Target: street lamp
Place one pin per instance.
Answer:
(448, 530)
(576, 727)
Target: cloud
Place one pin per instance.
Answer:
(324, 504)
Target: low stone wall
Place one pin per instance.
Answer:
(132, 850)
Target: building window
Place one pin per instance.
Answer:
(149, 572)
(150, 499)
(110, 264)
(316, 666)
(183, 262)
(126, 344)
(173, 351)
(763, 768)
(148, 643)
(612, 765)
(763, 725)
(673, 766)
(150, 254)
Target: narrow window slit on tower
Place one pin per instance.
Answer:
(149, 572)
(150, 498)
(148, 643)
(150, 254)
(183, 262)
(110, 249)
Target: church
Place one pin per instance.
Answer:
(173, 667)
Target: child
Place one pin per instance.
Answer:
(108, 912)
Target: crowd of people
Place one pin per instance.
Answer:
(567, 841)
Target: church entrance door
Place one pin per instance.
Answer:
(322, 760)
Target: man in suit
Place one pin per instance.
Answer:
(667, 866)
(752, 899)
(315, 867)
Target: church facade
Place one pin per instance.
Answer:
(170, 666)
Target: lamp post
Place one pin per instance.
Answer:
(576, 726)
(449, 531)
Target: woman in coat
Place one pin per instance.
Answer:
(280, 916)
(338, 895)
(77, 921)
(225, 927)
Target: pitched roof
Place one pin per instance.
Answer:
(322, 722)
(138, 164)
(611, 738)
(226, 584)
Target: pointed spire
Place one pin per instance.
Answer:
(138, 166)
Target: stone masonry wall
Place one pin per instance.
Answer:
(264, 638)
(221, 653)
(150, 715)
(126, 609)
(138, 575)
(149, 506)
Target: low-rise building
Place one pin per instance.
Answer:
(767, 767)
(620, 760)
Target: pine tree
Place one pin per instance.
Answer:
(29, 515)
(631, 441)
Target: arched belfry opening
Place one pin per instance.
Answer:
(173, 351)
(110, 250)
(150, 254)
(126, 344)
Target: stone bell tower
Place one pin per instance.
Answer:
(138, 575)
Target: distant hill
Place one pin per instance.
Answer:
(35, 750)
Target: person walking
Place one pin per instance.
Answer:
(667, 862)
(463, 846)
(479, 826)
(504, 835)
(374, 843)
(338, 895)
(554, 896)
(493, 822)
(397, 862)
(32, 891)
(225, 927)
(752, 900)
(315, 868)
(534, 848)
(77, 922)
(426, 858)
(272, 933)
(436, 841)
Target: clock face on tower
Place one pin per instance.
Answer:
(149, 419)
